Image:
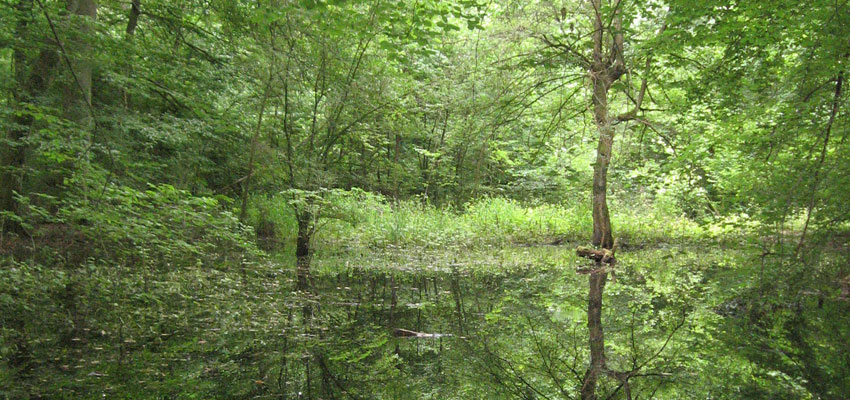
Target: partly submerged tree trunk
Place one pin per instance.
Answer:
(597, 340)
(602, 235)
(604, 70)
(303, 252)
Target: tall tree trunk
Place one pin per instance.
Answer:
(602, 235)
(13, 153)
(303, 252)
(604, 70)
(130, 33)
(836, 102)
(76, 94)
(243, 211)
(32, 78)
(597, 339)
(133, 18)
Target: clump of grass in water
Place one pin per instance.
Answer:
(371, 221)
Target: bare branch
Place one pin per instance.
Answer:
(584, 62)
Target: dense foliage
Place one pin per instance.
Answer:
(247, 199)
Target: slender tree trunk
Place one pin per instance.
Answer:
(396, 168)
(303, 252)
(597, 340)
(130, 33)
(77, 106)
(13, 157)
(604, 70)
(602, 235)
(243, 211)
(836, 102)
(133, 19)
(32, 78)
(76, 95)
(13, 153)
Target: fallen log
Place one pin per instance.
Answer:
(418, 335)
(599, 255)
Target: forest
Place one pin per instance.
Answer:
(424, 199)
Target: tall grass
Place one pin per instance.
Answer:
(365, 220)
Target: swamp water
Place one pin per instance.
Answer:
(498, 323)
(482, 323)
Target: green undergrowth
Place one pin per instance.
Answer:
(360, 220)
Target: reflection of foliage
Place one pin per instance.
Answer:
(119, 282)
(535, 338)
(794, 332)
(445, 148)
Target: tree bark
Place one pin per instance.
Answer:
(243, 211)
(303, 252)
(602, 235)
(303, 257)
(836, 102)
(130, 33)
(32, 78)
(597, 366)
(76, 93)
(133, 19)
(604, 70)
(13, 154)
